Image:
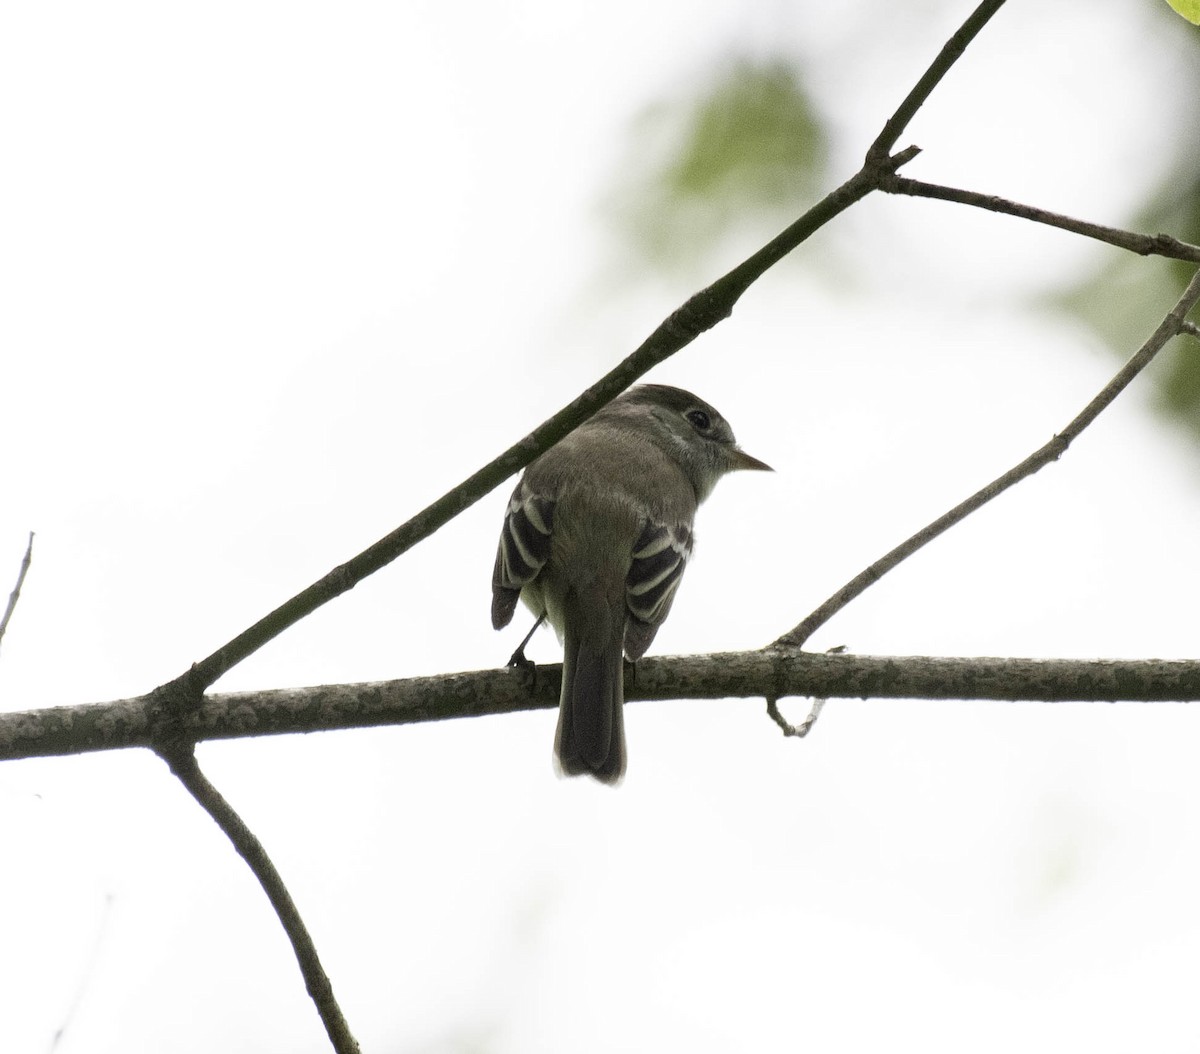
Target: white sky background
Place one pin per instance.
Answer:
(274, 276)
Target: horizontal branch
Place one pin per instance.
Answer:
(773, 673)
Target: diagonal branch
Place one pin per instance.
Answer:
(182, 759)
(1172, 325)
(15, 595)
(698, 314)
(1142, 244)
(951, 52)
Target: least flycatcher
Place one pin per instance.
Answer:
(595, 540)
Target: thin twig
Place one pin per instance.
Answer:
(1172, 325)
(1191, 329)
(1142, 244)
(951, 52)
(15, 595)
(182, 759)
(805, 726)
(88, 976)
(814, 711)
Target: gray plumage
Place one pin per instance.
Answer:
(596, 537)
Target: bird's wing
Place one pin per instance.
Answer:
(659, 556)
(524, 548)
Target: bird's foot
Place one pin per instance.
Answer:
(526, 666)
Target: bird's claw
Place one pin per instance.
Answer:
(528, 668)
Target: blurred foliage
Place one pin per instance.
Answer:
(1126, 299)
(742, 149)
(747, 146)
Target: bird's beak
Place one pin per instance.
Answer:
(739, 459)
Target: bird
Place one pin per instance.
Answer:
(595, 540)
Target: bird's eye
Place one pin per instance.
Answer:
(699, 419)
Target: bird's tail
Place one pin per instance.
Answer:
(591, 730)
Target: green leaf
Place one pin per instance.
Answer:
(744, 147)
(1190, 9)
